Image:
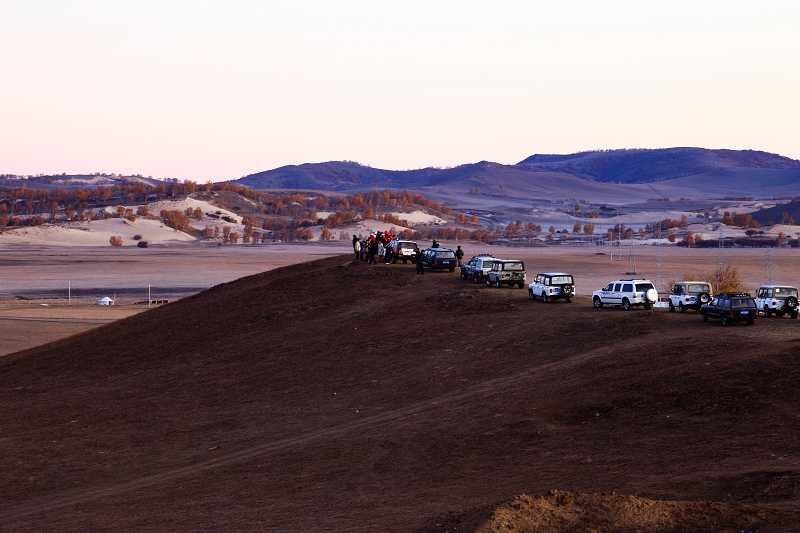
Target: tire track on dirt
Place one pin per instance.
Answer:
(485, 387)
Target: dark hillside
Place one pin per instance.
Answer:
(788, 213)
(337, 396)
(645, 166)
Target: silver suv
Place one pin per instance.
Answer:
(689, 295)
(626, 293)
(777, 299)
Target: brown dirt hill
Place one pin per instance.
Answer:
(337, 396)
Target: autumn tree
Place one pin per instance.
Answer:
(115, 241)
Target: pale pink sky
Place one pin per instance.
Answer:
(213, 90)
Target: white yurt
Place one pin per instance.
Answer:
(105, 301)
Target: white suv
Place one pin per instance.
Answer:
(552, 286)
(689, 295)
(778, 299)
(626, 293)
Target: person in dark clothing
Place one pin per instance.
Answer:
(372, 251)
(435, 244)
(459, 255)
(420, 270)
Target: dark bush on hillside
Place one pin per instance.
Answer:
(137, 237)
(142, 244)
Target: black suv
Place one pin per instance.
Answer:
(439, 258)
(731, 307)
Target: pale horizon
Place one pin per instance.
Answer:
(213, 91)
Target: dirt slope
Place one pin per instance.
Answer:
(337, 396)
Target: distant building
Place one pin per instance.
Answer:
(105, 301)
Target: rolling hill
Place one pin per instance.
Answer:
(614, 176)
(338, 396)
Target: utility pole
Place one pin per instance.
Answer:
(768, 268)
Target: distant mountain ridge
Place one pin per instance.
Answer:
(634, 166)
(649, 165)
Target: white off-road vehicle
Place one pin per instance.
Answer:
(777, 299)
(689, 295)
(626, 293)
(552, 286)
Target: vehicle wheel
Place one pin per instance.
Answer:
(671, 308)
(724, 321)
(794, 315)
(626, 305)
(452, 269)
(703, 298)
(531, 296)
(598, 303)
(544, 297)
(681, 307)
(498, 284)
(750, 322)
(431, 268)
(646, 306)
(520, 285)
(705, 317)
(405, 261)
(767, 311)
(568, 299)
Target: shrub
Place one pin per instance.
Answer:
(137, 237)
(115, 241)
(724, 279)
(142, 244)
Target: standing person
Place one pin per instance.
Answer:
(420, 270)
(459, 255)
(356, 245)
(372, 250)
(381, 250)
(435, 244)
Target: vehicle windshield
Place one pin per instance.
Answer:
(513, 266)
(644, 287)
(446, 255)
(697, 288)
(742, 302)
(406, 245)
(488, 264)
(561, 280)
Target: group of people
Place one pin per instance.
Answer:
(376, 249)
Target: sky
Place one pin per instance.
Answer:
(208, 90)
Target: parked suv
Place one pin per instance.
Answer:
(689, 295)
(506, 272)
(626, 293)
(439, 258)
(731, 307)
(552, 286)
(477, 267)
(402, 250)
(777, 299)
